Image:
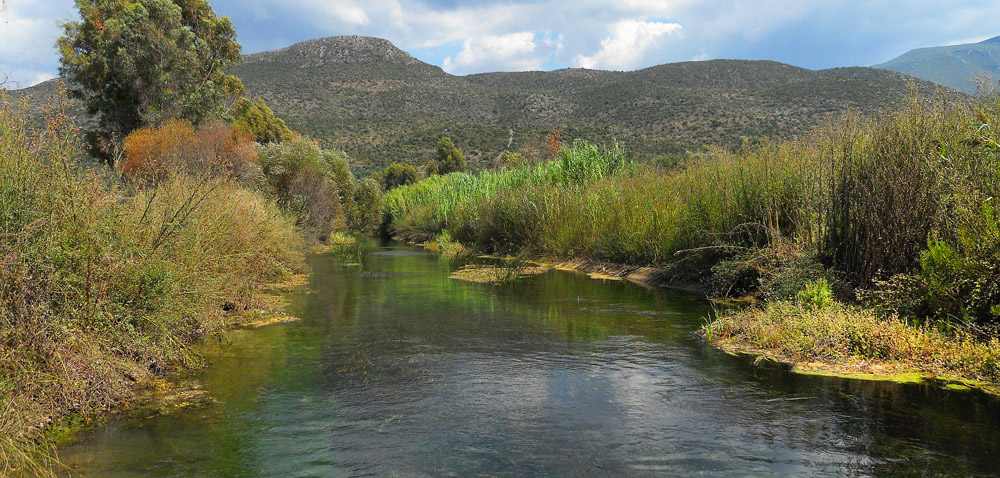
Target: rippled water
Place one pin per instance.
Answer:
(398, 370)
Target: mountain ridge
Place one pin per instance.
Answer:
(954, 66)
(380, 104)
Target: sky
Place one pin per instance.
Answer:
(476, 36)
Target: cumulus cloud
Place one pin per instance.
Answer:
(350, 14)
(511, 52)
(624, 49)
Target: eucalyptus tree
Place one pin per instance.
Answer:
(140, 62)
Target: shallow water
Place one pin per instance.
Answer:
(398, 370)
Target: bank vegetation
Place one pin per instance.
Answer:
(110, 275)
(893, 216)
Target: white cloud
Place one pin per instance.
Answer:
(40, 77)
(28, 33)
(350, 14)
(513, 51)
(624, 49)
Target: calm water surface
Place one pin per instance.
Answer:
(398, 370)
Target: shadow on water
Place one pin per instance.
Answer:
(397, 370)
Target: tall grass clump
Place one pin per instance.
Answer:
(105, 282)
(858, 340)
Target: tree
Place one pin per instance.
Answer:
(260, 121)
(368, 214)
(301, 177)
(396, 175)
(450, 159)
(140, 62)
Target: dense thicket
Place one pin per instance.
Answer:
(104, 282)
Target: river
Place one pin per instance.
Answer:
(397, 370)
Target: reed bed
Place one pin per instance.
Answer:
(861, 195)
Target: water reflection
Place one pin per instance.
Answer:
(397, 370)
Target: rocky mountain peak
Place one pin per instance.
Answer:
(339, 49)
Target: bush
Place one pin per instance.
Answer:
(777, 271)
(367, 199)
(154, 153)
(300, 176)
(816, 295)
(257, 120)
(449, 158)
(396, 175)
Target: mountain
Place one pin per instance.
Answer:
(380, 104)
(952, 66)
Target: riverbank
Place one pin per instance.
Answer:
(776, 223)
(855, 342)
(650, 276)
(390, 354)
(106, 285)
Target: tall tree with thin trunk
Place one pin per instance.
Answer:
(136, 63)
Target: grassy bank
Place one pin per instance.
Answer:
(858, 342)
(895, 212)
(105, 283)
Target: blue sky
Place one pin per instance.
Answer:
(504, 35)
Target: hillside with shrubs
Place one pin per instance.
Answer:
(365, 96)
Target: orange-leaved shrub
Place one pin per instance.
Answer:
(213, 149)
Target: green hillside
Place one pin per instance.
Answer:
(378, 103)
(954, 66)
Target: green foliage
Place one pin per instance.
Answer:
(857, 339)
(852, 205)
(817, 295)
(960, 284)
(449, 158)
(258, 120)
(366, 215)
(511, 159)
(396, 175)
(300, 175)
(318, 188)
(457, 202)
(139, 62)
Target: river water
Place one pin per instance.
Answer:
(397, 370)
